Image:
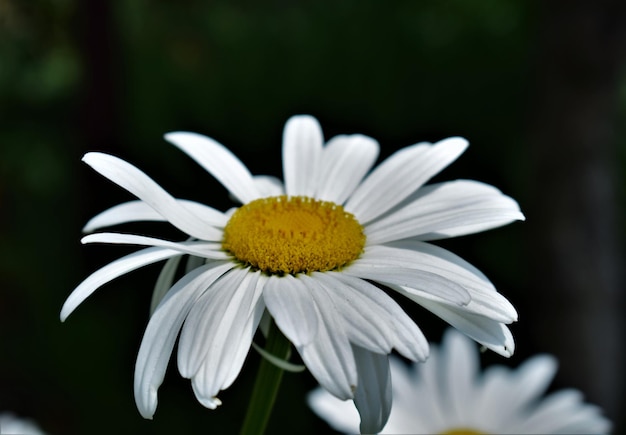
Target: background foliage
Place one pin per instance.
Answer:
(115, 76)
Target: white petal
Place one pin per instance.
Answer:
(291, 305)
(389, 273)
(488, 332)
(485, 300)
(219, 161)
(564, 412)
(139, 184)
(373, 394)
(302, 148)
(193, 262)
(220, 333)
(345, 161)
(224, 307)
(201, 249)
(445, 210)
(269, 186)
(372, 319)
(400, 175)
(162, 330)
(366, 324)
(134, 211)
(164, 281)
(254, 320)
(460, 365)
(111, 271)
(329, 356)
(529, 382)
(341, 415)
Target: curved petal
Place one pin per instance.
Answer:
(254, 320)
(218, 333)
(445, 210)
(302, 148)
(344, 162)
(329, 356)
(164, 281)
(492, 334)
(341, 415)
(373, 394)
(219, 162)
(134, 211)
(208, 250)
(291, 305)
(111, 271)
(218, 313)
(390, 273)
(269, 186)
(160, 335)
(485, 300)
(139, 184)
(372, 319)
(400, 175)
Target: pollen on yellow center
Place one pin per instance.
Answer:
(296, 234)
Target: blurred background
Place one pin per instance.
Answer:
(538, 88)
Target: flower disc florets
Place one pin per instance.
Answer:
(290, 235)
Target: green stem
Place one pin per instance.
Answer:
(266, 385)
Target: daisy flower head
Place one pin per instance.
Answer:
(448, 394)
(306, 251)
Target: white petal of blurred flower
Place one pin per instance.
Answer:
(12, 424)
(306, 251)
(448, 394)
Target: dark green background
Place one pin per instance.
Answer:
(115, 76)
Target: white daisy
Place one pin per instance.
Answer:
(307, 251)
(448, 395)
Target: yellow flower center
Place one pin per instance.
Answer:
(281, 235)
(462, 431)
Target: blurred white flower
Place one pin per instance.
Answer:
(306, 251)
(12, 424)
(448, 394)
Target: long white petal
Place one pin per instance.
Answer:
(302, 148)
(139, 184)
(219, 161)
(209, 250)
(492, 334)
(224, 333)
(160, 335)
(345, 161)
(372, 319)
(291, 304)
(217, 314)
(485, 300)
(164, 281)
(111, 271)
(252, 324)
(135, 211)
(445, 210)
(400, 175)
(412, 278)
(329, 356)
(373, 394)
